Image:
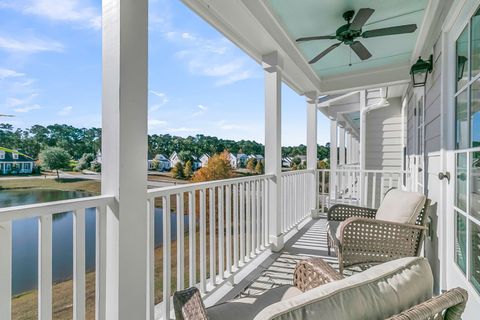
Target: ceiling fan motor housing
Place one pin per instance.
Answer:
(347, 35)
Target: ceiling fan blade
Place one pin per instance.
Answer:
(408, 28)
(324, 52)
(315, 38)
(361, 18)
(360, 50)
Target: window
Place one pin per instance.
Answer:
(2, 154)
(467, 158)
(15, 156)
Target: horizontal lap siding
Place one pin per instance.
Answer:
(383, 137)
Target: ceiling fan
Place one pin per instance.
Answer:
(353, 29)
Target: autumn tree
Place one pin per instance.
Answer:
(177, 171)
(217, 168)
(259, 168)
(188, 170)
(251, 163)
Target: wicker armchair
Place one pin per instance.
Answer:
(364, 241)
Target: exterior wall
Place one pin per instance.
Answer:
(23, 167)
(383, 148)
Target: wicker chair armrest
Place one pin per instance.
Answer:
(188, 305)
(341, 212)
(452, 302)
(313, 272)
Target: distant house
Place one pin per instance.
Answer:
(15, 162)
(204, 159)
(233, 160)
(287, 162)
(99, 156)
(196, 163)
(164, 163)
(174, 159)
(242, 159)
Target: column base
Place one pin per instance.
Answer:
(315, 214)
(277, 242)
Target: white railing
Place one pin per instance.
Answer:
(227, 227)
(44, 214)
(358, 187)
(297, 198)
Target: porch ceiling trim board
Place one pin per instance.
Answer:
(254, 27)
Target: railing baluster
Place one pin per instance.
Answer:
(192, 230)
(374, 191)
(254, 217)
(242, 222)
(151, 260)
(221, 238)
(100, 262)
(248, 220)
(212, 253)
(180, 242)
(79, 264)
(6, 270)
(45, 267)
(203, 244)
(259, 216)
(167, 266)
(235, 227)
(382, 186)
(228, 218)
(324, 192)
(365, 190)
(264, 214)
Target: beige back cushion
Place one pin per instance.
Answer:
(401, 206)
(377, 293)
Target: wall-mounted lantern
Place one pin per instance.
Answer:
(420, 70)
(461, 62)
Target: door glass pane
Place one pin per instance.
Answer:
(461, 120)
(475, 44)
(475, 114)
(475, 185)
(462, 59)
(461, 241)
(461, 182)
(475, 255)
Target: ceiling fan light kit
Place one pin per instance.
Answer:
(349, 32)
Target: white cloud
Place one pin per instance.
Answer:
(14, 102)
(162, 100)
(7, 73)
(225, 125)
(65, 111)
(75, 11)
(181, 129)
(29, 45)
(27, 108)
(155, 123)
(201, 110)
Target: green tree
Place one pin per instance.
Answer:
(296, 162)
(188, 170)
(251, 163)
(85, 161)
(177, 171)
(259, 168)
(54, 158)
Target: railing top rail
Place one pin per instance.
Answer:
(48, 208)
(157, 192)
(296, 172)
(365, 171)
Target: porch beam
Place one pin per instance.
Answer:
(124, 155)
(272, 65)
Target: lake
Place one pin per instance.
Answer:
(25, 237)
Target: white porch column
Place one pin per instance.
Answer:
(341, 145)
(123, 287)
(272, 65)
(348, 143)
(333, 156)
(312, 148)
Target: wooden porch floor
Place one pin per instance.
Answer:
(278, 268)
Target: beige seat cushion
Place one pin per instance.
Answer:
(249, 307)
(401, 206)
(377, 293)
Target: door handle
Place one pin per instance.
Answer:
(445, 175)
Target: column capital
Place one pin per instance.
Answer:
(272, 62)
(312, 97)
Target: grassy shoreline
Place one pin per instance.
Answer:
(91, 186)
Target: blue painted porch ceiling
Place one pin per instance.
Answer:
(304, 18)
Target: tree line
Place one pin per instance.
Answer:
(79, 141)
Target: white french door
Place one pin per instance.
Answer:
(463, 156)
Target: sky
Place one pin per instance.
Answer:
(199, 82)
